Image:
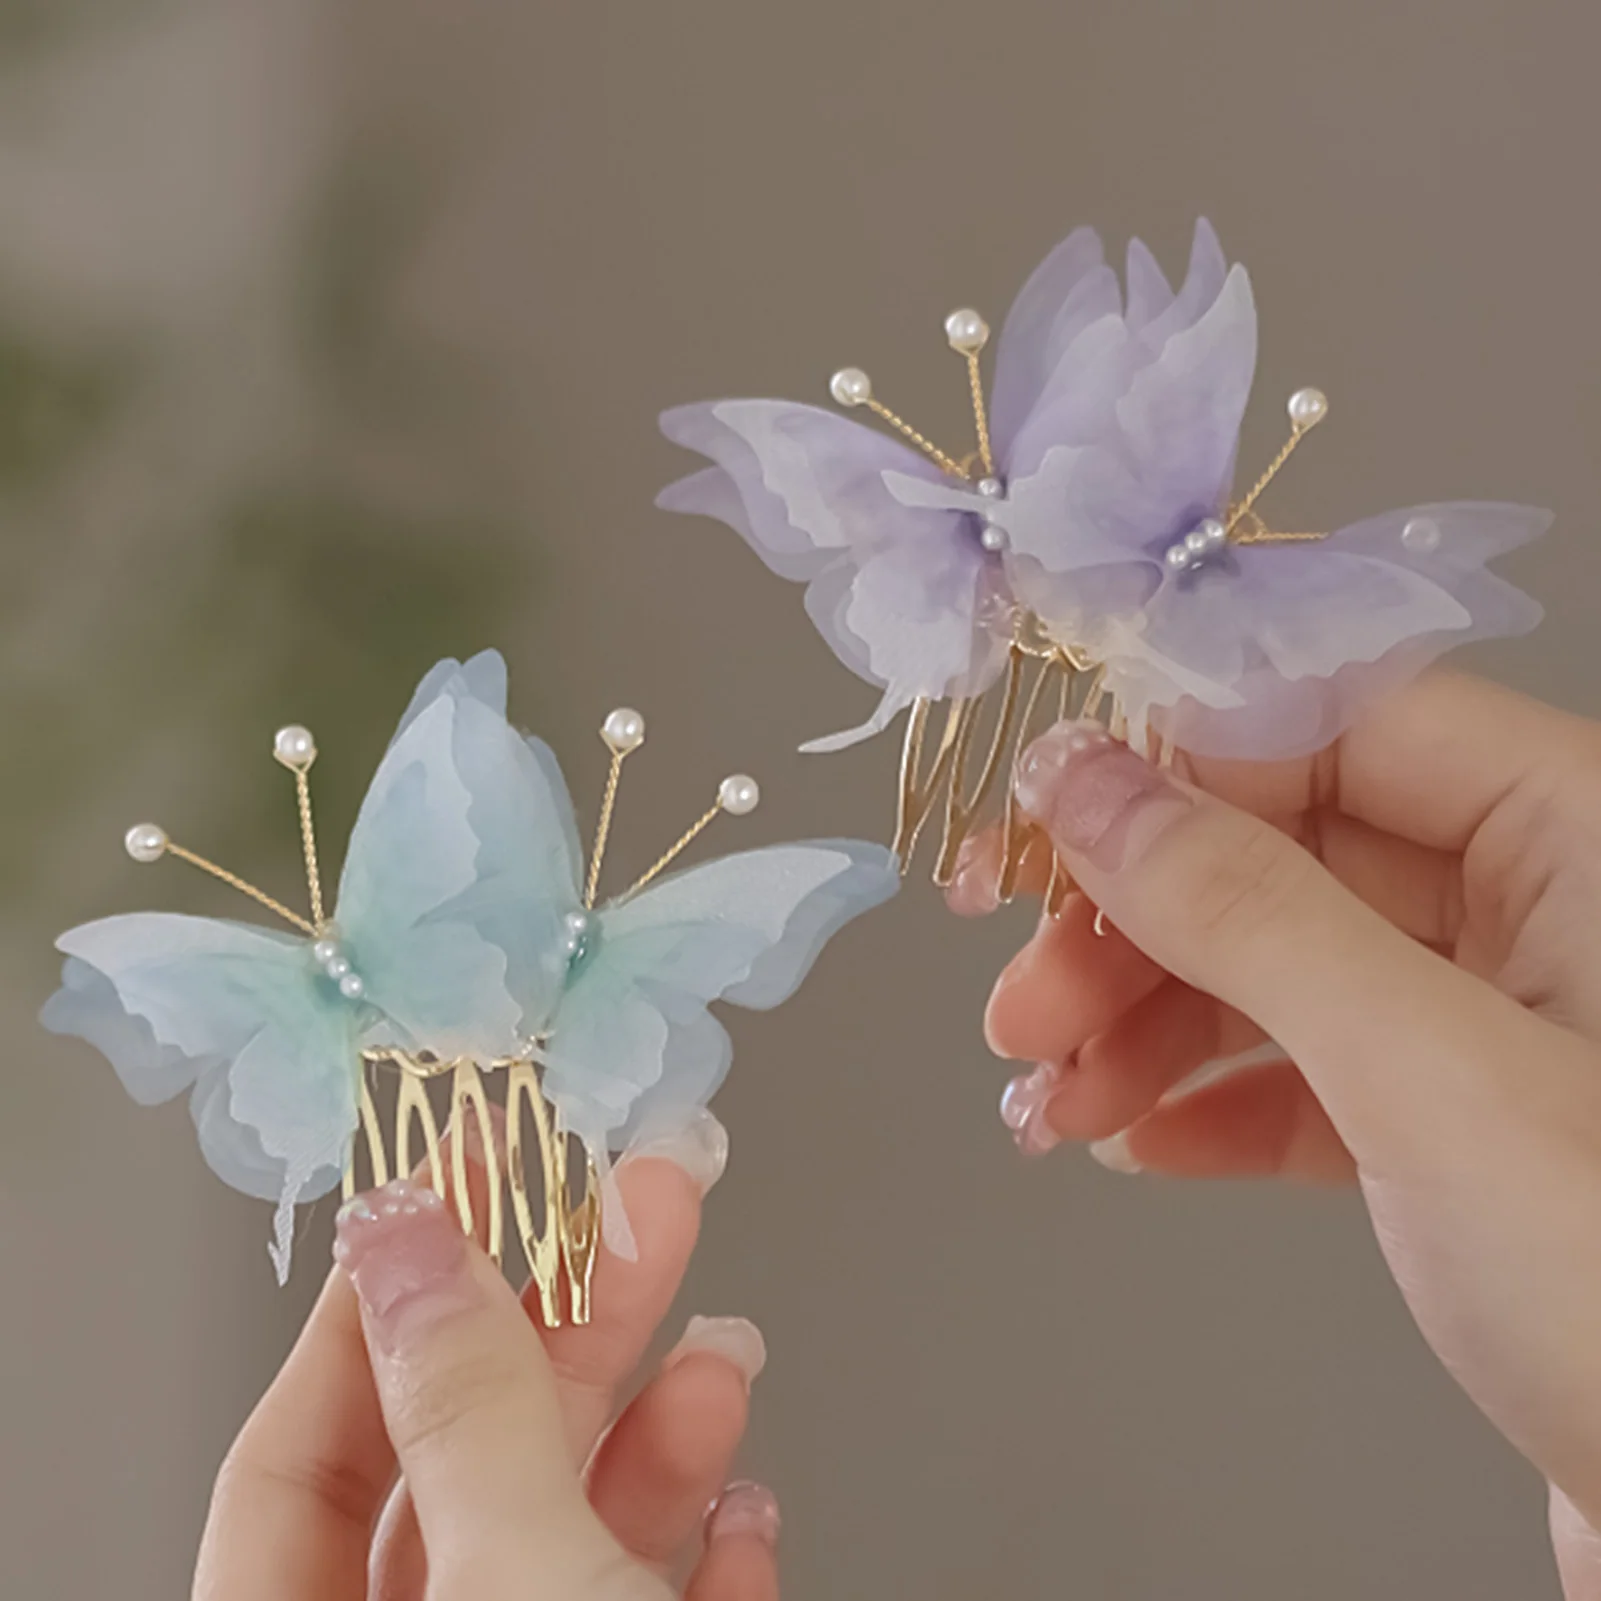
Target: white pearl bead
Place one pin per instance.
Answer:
(351, 987)
(993, 538)
(336, 967)
(1421, 535)
(850, 386)
(739, 794)
(1307, 408)
(145, 842)
(294, 746)
(577, 923)
(967, 331)
(623, 730)
(1214, 533)
(325, 950)
(572, 944)
(991, 488)
(1196, 542)
(1177, 557)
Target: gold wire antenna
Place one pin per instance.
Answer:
(297, 750)
(623, 732)
(738, 794)
(1307, 408)
(968, 334)
(850, 386)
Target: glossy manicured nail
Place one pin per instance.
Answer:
(406, 1257)
(974, 889)
(1023, 1109)
(735, 1339)
(744, 1509)
(1089, 793)
(1113, 1153)
(700, 1148)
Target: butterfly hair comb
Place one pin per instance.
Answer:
(1089, 555)
(467, 947)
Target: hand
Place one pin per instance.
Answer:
(418, 1351)
(1413, 920)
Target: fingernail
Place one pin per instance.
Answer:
(1023, 1109)
(745, 1509)
(700, 1148)
(1088, 790)
(472, 1135)
(975, 886)
(406, 1257)
(735, 1339)
(1114, 1154)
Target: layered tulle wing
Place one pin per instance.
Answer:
(1071, 289)
(1290, 641)
(439, 983)
(893, 588)
(239, 1015)
(632, 1051)
(529, 860)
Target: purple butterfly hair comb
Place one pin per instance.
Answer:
(1088, 555)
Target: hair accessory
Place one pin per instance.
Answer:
(467, 947)
(1088, 555)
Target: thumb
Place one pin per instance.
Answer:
(471, 1407)
(1391, 1036)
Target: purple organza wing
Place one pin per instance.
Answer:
(1327, 628)
(897, 590)
(1071, 289)
(1155, 313)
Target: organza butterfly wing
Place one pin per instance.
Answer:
(632, 1050)
(1319, 629)
(899, 592)
(528, 878)
(238, 1015)
(409, 913)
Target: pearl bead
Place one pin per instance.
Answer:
(145, 842)
(1214, 533)
(991, 488)
(294, 746)
(1177, 557)
(850, 386)
(1307, 408)
(967, 331)
(351, 987)
(993, 538)
(325, 950)
(572, 944)
(577, 923)
(1421, 535)
(623, 730)
(738, 794)
(336, 967)
(1196, 542)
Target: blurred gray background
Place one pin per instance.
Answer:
(331, 340)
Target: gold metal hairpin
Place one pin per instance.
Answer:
(558, 1232)
(1037, 662)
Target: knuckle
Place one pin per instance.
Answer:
(332, 1486)
(1241, 885)
(432, 1411)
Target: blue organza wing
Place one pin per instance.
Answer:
(530, 861)
(633, 1052)
(238, 1015)
(437, 982)
(895, 588)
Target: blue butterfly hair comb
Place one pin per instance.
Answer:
(466, 944)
